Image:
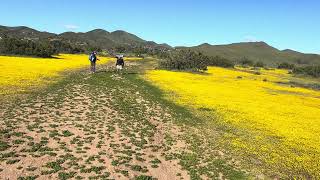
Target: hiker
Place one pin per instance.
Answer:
(93, 58)
(119, 63)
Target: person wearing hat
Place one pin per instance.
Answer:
(93, 58)
(119, 63)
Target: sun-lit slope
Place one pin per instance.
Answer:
(258, 104)
(256, 51)
(19, 72)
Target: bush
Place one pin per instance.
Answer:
(185, 60)
(94, 48)
(120, 49)
(259, 64)
(14, 46)
(257, 73)
(246, 61)
(308, 70)
(190, 60)
(220, 61)
(64, 47)
(286, 65)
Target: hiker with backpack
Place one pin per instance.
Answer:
(119, 63)
(93, 58)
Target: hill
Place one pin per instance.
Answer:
(256, 51)
(95, 38)
(99, 38)
(24, 32)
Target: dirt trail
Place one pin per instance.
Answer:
(89, 127)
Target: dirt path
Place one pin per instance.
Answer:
(89, 127)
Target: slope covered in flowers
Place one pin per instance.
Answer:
(19, 73)
(281, 121)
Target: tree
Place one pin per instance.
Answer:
(246, 61)
(92, 48)
(120, 49)
(14, 46)
(220, 61)
(286, 65)
(259, 64)
(308, 70)
(185, 60)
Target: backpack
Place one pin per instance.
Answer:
(92, 57)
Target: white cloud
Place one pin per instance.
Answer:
(71, 26)
(250, 38)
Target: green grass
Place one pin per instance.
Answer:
(67, 133)
(66, 175)
(4, 145)
(28, 178)
(143, 177)
(31, 168)
(13, 161)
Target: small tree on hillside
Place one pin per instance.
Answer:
(246, 62)
(286, 65)
(186, 60)
(259, 64)
(220, 61)
(120, 49)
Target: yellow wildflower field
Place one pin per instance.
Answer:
(19, 73)
(283, 121)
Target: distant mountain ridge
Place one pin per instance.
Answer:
(97, 37)
(256, 51)
(23, 32)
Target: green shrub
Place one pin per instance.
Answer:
(308, 70)
(14, 46)
(4, 146)
(143, 177)
(68, 48)
(220, 61)
(246, 62)
(259, 64)
(185, 60)
(191, 60)
(286, 65)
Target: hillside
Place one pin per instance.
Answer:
(95, 38)
(24, 32)
(256, 51)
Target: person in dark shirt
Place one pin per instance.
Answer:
(119, 63)
(93, 59)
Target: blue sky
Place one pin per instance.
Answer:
(283, 24)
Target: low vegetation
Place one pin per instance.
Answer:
(220, 62)
(259, 64)
(14, 46)
(244, 61)
(185, 60)
(28, 47)
(313, 71)
(192, 61)
(286, 65)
